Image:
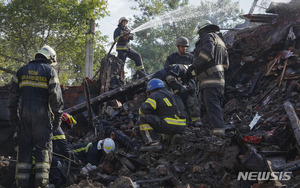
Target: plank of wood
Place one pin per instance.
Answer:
(293, 119)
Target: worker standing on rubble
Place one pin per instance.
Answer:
(92, 153)
(122, 36)
(175, 76)
(37, 85)
(211, 58)
(162, 112)
(181, 56)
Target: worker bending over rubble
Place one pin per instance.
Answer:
(176, 78)
(181, 56)
(92, 153)
(60, 145)
(122, 36)
(37, 85)
(211, 58)
(62, 152)
(162, 112)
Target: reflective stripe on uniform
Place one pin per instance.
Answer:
(15, 79)
(151, 102)
(220, 82)
(42, 165)
(220, 42)
(170, 79)
(173, 121)
(86, 148)
(54, 80)
(195, 118)
(205, 56)
(122, 48)
(42, 175)
(140, 67)
(23, 165)
(117, 38)
(21, 176)
(210, 71)
(167, 101)
(33, 84)
(145, 127)
(59, 137)
(140, 112)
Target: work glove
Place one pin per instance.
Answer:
(126, 37)
(56, 124)
(183, 92)
(189, 74)
(88, 168)
(131, 36)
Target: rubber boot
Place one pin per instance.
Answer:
(151, 141)
(197, 123)
(141, 73)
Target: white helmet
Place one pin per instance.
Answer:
(49, 53)
(107, 144)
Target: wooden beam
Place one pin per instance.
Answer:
(124, 90)
(293, 119)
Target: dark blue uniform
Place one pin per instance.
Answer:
(88, 153)
(175, 76)
(37, 85)
(162, 112)
(211, 58)
(124, 49)
(175, 58)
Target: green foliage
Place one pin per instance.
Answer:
(157, 43)
(28, 25)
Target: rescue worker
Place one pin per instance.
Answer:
(37, 85)
(93, 152)
(61, 147)
(162, 112)
(181, 56)
(175, 76)
(59, 138)
(122, 36)
(59, 141)
(210, 60)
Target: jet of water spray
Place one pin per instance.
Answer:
(173, 16)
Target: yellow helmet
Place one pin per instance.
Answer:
(49, 54)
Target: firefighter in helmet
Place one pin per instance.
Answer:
(122, 36)
(162, 112)
(59, 138)
(211, 59)
(181, 56)
(176, 78)
(37, 85)
(92, 153)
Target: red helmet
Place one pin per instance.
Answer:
(68, 119)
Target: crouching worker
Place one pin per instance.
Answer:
(162, 112)
(93, 153)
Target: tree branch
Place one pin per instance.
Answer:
(8, 71)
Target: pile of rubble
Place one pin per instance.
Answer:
(261, 108)
(261, 113)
